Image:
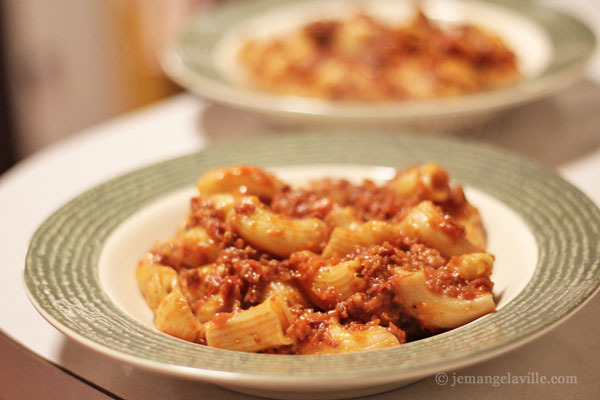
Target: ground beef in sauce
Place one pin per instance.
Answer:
(241, 275)
(362, 58)
(446, 280)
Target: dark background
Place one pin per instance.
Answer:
(7, 151)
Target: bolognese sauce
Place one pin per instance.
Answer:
(235, 276)
(363, 58)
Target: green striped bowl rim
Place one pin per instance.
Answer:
(62, 279)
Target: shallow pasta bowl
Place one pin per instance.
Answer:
(81, 264)
(552, 49)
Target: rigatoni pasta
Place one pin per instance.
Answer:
(334, 267)
(261, 327)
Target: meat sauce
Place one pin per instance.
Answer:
(241, 274)
(362, 58)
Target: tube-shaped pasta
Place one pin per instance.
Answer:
(207, 309)
(342, 217)
(257, 328)
(277, 234)
(343, 241)
(207, 205)
(241, 179)
(335, 283)
(428, 224)
(470, 219)
(189, 248)
(286, 291)
(428, 181)
(174, 317)
(473, 265)
(343, 340)
(434, 310)
(144, 273)
(222, 201)
(154, 280)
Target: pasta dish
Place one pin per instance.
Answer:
(362, 58)
(333, 267)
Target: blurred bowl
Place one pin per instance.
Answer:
(552, 50)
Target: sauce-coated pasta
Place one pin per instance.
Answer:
(362, 58)
(333, 267)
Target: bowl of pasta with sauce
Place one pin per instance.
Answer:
(441, 65)
(294, 261)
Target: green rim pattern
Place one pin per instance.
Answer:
(190, 63)
(61, 273)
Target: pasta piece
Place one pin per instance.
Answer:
(434, 310)
(286, 291)
(207, 309)
(335, 283)
(144, 273)
(472, 266)
(471, 220)
(222, 201)
(190, 248)
(206, 208)
(342, 217)
(343, 340)
(242, 179)
(343, 241)
(174, 317)
(200, 282)
(427, 181)
(428, 224)
(201, 287)
(155, 281)
(258, 328)
(276, 234)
